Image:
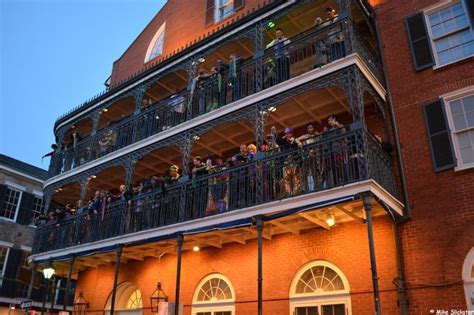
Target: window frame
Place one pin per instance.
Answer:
(5, 262)
(320, 299)
(438, 7)
(447, 98)
(33, 210)
(17, 189)
(213, 306)
(161, 30)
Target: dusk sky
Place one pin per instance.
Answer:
(54, 55)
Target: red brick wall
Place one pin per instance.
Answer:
(185, 23)
(346, 246)
(442, 203)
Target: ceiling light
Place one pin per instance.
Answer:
(330, 220)
(93, 176)
(272, 109)
(271, 24)
(196, 248)
(196, 138)
(105, 110)
(202, 59)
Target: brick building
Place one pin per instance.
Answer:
(371, 212)
(21, 204)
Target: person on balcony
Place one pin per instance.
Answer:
(235, 76)
(197, 91)
(199, 187)
(336, 153)
(321, 47)
(335, 35)
(281, 55)
(311, 165)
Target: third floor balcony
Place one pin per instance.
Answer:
(161, 103)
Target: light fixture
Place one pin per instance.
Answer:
(49, 271)
(196, 138)
(157, 117)
(105, 110)
(196, 248)
(330, 220)
(202, 60)
(157, 297)
(93, 176)
(12, 306)
(80, 305)
(271, 24)
(272, 109)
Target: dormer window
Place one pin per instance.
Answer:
(218, 10)
(156, 45)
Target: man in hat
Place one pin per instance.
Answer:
(281, 56)
(288, 141)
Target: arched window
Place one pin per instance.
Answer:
(128, 300)
(214, 295)
(468, 277)
(320, 287)
(135, 300)
(156, 45)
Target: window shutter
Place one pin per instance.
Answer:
(439, 136)
(210, 12)
(25, 209)
(238, 4)
(13, 262)
(470, 8)
(419, 41)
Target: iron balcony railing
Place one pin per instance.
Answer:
(305, 52)
(335, 158)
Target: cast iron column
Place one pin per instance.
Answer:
(68, 283)
(373, 264)
(32, 279)
(260, 231)
(179, 239)
(114, 289)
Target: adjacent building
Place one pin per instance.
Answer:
(274, 157)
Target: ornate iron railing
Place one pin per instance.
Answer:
(335, 158)
(305, 52)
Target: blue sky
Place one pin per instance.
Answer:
(55, 54)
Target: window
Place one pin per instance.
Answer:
(156, 45)
(3, 262)
(218, 10)
(135, 300)
(38, 208)
(460, 109)
(451, 33)
(11, 204)
(214, 296)
(320, 288)
(225, 8)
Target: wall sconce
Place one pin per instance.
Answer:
(157, 297)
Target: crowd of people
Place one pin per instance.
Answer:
(290, 165)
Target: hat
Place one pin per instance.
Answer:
(174, 168)
(332, 117)
(288, 130)
(197, 157)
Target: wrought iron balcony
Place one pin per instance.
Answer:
(335, 159)
(310, 50)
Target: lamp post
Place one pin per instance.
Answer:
(157, 297)
(80, 305)
(48, 273)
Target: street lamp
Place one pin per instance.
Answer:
(80, 305)
(49, 271)
(157, 297)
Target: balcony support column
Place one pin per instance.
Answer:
(186, 145)
(138, 95)
(129, 166)
(259, 223)
(32, 266)
(84, 185)
(72, 259)
(373, 264)
(95, 122)
(47, 197)
(117, 267)
(179, 239)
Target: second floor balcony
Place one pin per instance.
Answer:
(332, 160)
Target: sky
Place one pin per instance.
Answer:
(54, 55)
